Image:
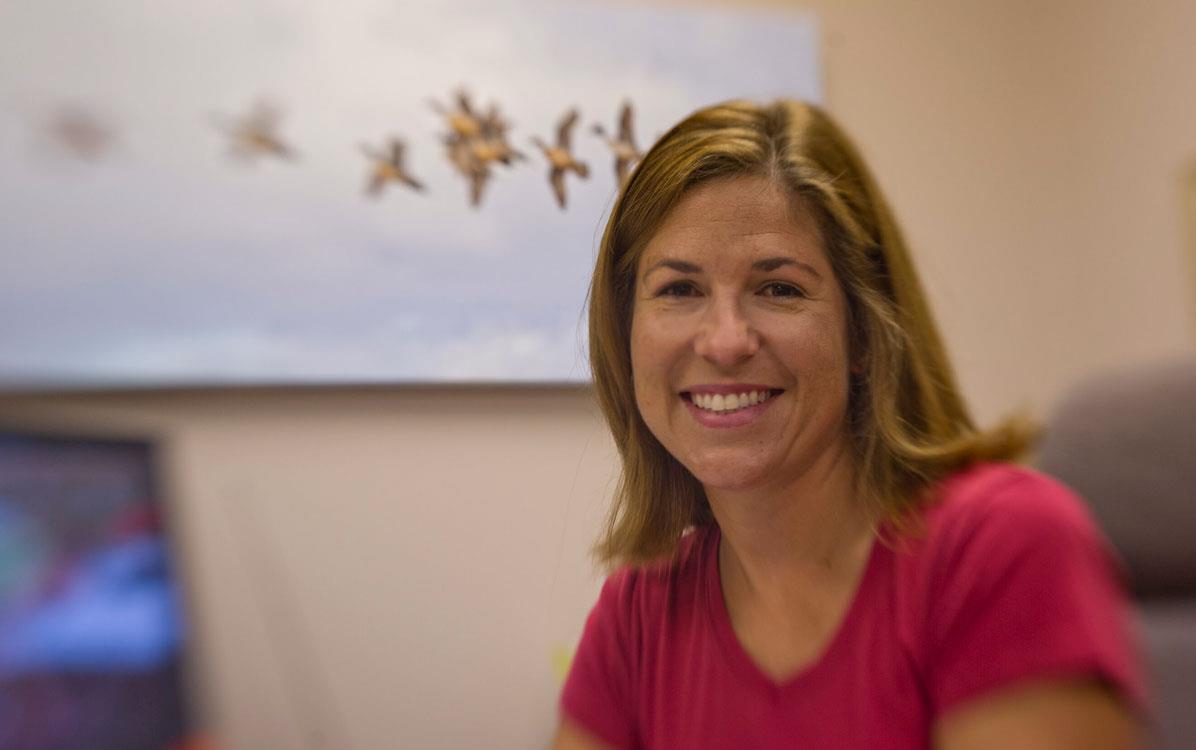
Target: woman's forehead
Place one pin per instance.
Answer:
(735, 221)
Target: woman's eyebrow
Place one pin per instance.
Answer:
(681, 266)
(764, 265)
(772, 264)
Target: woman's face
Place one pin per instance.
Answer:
(739, 342)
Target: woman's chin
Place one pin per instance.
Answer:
(730, 474)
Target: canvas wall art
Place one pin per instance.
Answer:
(253, 191)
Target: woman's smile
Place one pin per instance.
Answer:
(723, 406)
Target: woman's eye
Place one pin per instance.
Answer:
(678, 289)
(781, 289)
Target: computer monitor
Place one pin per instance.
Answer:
(92, 627)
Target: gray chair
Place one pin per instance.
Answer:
(1126, 442)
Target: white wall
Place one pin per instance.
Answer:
(430, 543)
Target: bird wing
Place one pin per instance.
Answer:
(464, 104)
(565, 128)
(626, 121)
(492, 122)
(557, 178)
(622, 169)
(477, 184)
(264, 116)
(396, 151)
(282, 150)
(376, 182)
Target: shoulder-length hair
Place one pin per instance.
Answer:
(907, 421)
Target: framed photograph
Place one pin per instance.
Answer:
(244, 191)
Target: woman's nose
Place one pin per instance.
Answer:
(726, 336)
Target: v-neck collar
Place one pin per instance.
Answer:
(741, 662)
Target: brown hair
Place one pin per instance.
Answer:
(909, 426)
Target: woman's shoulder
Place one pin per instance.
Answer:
(986, 527)
(1009, 578)
(634, 617)
(663, 578)
(999, 499)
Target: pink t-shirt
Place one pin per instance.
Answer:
(1009, 581)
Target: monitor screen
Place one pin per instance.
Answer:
(92, 632)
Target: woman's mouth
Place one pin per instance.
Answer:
(724, 403)
(729, 408)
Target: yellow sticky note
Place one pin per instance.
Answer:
(561, 658)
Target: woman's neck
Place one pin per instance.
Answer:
(810, 528)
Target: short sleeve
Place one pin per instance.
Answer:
(597, 692)
(1027, 588)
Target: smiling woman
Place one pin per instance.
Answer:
(738, 297)
(814, 545)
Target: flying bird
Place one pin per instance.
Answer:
(465, 161)
(623, 145)
(388, 167)
(475, 141)
(462, 120)
(79, 132)
(491, 143)
(560, 157)
(256, 134)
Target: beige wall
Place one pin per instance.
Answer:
(391, 567)
(428, 545)
(1033, 152)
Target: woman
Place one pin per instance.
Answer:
(815, 545)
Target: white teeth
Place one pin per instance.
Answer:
(722, 403)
